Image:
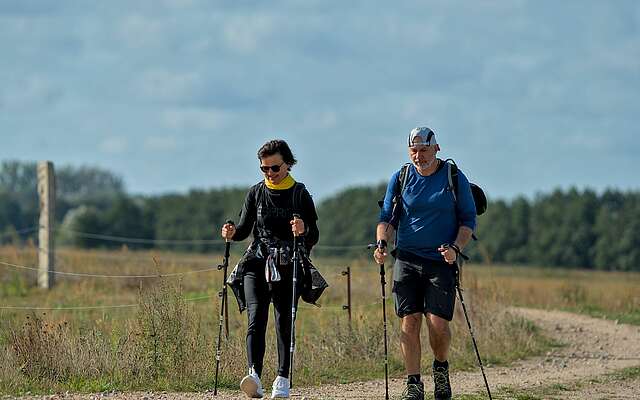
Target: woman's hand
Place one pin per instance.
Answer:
(297, 226)
(228, 230)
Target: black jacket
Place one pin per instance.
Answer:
(267, 214)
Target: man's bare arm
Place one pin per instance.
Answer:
(384, 231)
(464, 237)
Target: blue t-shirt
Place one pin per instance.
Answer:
(429, 217)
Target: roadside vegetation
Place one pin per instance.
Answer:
(611, 295)
(163, 337)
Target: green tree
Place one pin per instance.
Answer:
(75, 186)
(349, 219)
(83, 219)
(126, 218)
(518, 240)
(493, 230)
(10, 218)
(628, 257)
(562, 229)
(609, 220)
(197, 215)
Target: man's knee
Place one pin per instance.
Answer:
(411, 323)
(438, 325)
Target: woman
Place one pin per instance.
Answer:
(265, 272)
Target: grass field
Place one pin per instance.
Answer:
(612, 295)
(162, 334)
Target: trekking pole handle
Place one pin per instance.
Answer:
(296, 216)
(457, 250)
(229, 222)
(380, 244)
(227, 243)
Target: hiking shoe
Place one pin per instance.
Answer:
(251, 385)
(413, 391)
(441, 385)
(280, 389)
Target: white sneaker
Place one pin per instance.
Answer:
(251, 385)
(280, 389)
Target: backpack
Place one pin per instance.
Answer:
(479, 197)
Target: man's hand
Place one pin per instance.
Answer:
(448, 253)
(380, 253)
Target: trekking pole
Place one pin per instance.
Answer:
(384, 325)
(223, 309)
(473, 339)
(293, 304)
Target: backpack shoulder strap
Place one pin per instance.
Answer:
(452, 176)
(452, 173)
(298, 188)
(260, 193)
(399, 185)
(402, 178)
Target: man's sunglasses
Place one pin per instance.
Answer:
(274, 168)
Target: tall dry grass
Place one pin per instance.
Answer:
(612, 295)
(167, 341)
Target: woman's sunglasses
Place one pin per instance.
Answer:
(274, 168)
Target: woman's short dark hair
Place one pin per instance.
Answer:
(277, 147)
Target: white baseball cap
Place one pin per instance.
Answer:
(422, 136)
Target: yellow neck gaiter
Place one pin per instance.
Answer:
(286, 183)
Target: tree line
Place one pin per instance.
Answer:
(570, 228)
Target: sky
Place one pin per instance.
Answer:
(171, 95)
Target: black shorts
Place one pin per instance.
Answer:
(423, 286)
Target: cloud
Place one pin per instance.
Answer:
(244, 34)
(493, 78)
(160, 143)
(179, 4)
(320, 120)
(189, 118)
(115, 145)
(27, 7)
(161, 84)
(140, 31)
(34, 92)
(592, 142)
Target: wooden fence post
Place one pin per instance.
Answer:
(47, 194)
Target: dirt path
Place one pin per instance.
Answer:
(593, 348)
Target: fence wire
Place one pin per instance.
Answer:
(153, 241)
(332, 271)
(158, 275)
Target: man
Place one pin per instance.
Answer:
(432, 229)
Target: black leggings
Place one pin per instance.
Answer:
(258, 296)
